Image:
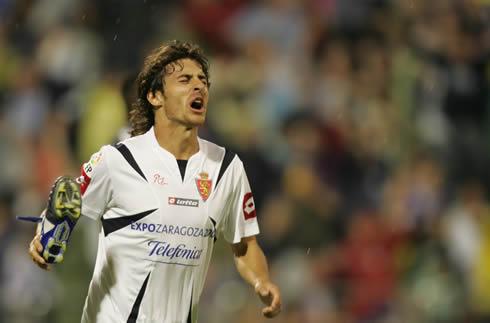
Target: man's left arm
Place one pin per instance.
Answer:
(252, 266)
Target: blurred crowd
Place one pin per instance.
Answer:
(363, 126)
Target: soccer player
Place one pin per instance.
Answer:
(161, 197)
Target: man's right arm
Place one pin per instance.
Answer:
(65, 207)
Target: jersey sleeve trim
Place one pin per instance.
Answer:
(124, 150)
(227, 159)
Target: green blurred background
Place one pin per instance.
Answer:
(363, 126)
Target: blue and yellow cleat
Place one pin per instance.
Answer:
(59, 219)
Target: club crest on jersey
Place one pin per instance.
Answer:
(204, 185)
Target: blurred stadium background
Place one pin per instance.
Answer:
(363, 125)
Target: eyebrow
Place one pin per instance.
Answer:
(201, 76)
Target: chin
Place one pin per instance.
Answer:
(196, 122)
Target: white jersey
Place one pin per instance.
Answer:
(157, 230)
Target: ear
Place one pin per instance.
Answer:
(155, 98)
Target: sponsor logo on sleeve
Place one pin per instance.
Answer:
(83, 180)
(87, 170)
(249, 206)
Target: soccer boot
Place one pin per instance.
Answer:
(59, 219)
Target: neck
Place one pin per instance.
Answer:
(179, 140)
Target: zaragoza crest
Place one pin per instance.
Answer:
(204, 186)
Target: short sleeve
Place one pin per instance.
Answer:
(95, 184)
(241, 220)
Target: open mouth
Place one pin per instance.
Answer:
(197, 104)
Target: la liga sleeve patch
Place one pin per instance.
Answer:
(249, 206)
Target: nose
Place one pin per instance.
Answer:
(196, 82)
(198, 85)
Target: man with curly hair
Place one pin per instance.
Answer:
(161, 196)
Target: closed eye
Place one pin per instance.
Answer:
(203, 79)
(184, 79)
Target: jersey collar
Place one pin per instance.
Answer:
(152, 140)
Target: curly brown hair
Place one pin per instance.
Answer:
(141, 115)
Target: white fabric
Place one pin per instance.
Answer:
(172, 245)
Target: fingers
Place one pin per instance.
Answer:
(37, 244)
(270, 295)
(35, 249)
(275, 307)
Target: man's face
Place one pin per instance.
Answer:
(185, 98)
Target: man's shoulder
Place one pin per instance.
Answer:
(122, 148)
(210, 146)
(223, 157)
(216, 151)
(135, 141)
